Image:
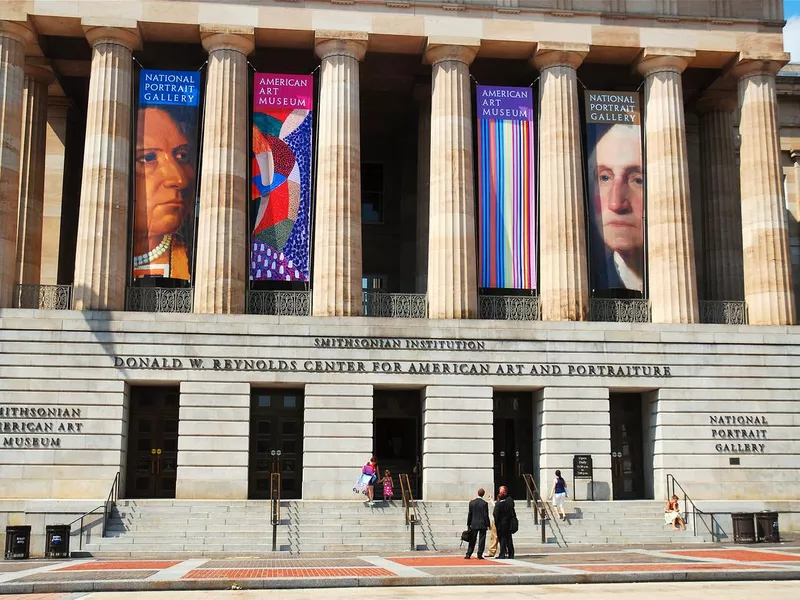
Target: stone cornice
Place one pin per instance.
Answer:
(352, 44)
(238, 39)
(660, 60)
(556, 54)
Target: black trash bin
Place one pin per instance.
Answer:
(744, 529)
(767, 527)
(56, 541)
(18, 542)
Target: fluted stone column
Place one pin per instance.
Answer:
(422, 94)
(13, 38)
(767, 265)
(563, 270)
(55, 153)
(721, 209)
(452, 267)
(31, 185)
(670, 252)
(101, 257)
(337, 242)
(221, 267)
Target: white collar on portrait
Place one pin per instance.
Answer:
(630, 280)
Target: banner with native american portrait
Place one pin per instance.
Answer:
(615, 190)
(507, 215)
(165, 172)
(280, 204)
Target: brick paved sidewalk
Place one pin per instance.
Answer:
(50, 579)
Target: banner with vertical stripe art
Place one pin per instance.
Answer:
(506, 215)
(280, 190)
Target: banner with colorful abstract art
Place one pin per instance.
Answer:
(165, 171)
(615, 178)
(506, 214)
(281, 177)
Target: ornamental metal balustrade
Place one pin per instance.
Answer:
(270, 302)
(509, 308)
(154, 299)
(43, 297)
(727, 312)
(398, 306)
(620, 310)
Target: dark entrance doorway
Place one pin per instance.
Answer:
(627, 472)
(152, 442)
(276, 442)
(513, 441)
(397, 438)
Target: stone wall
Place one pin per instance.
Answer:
(720, 379)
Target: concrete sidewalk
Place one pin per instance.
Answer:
(590, 565)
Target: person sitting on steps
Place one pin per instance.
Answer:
(672, 514)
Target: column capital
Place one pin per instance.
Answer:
(329, 43)
(752, 66)
(239, 39)
(717, 101)
(39, 73)
(794, 154)
(457, 50)
(122, 36)
(660, 60)
(559, 54)
(24, 33)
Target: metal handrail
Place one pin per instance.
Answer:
(686, 502)
(111, 500)
(113, 496)
(409, 505)
(275, 498)
(540, 506)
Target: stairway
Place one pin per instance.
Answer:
(588, 523)
(186, 528)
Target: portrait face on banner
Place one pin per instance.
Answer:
(165, 174)
(616, 190)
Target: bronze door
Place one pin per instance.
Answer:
(513, 441)
(152, 442)
(276, 443)
(627, 474)
(397, 439)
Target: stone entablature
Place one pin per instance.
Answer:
(405, 30)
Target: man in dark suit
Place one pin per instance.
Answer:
(477, 523)
(504, 518)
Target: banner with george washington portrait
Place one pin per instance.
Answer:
(280, 200)
(165, 172)
(615, 190)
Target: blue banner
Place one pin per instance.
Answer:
(169, 88)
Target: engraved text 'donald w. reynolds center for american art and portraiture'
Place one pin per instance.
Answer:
(481, 240)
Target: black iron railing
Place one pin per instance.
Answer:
(43, 297)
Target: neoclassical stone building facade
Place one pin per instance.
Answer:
(391, 347)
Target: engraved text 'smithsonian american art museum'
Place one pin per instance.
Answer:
(477, 238)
